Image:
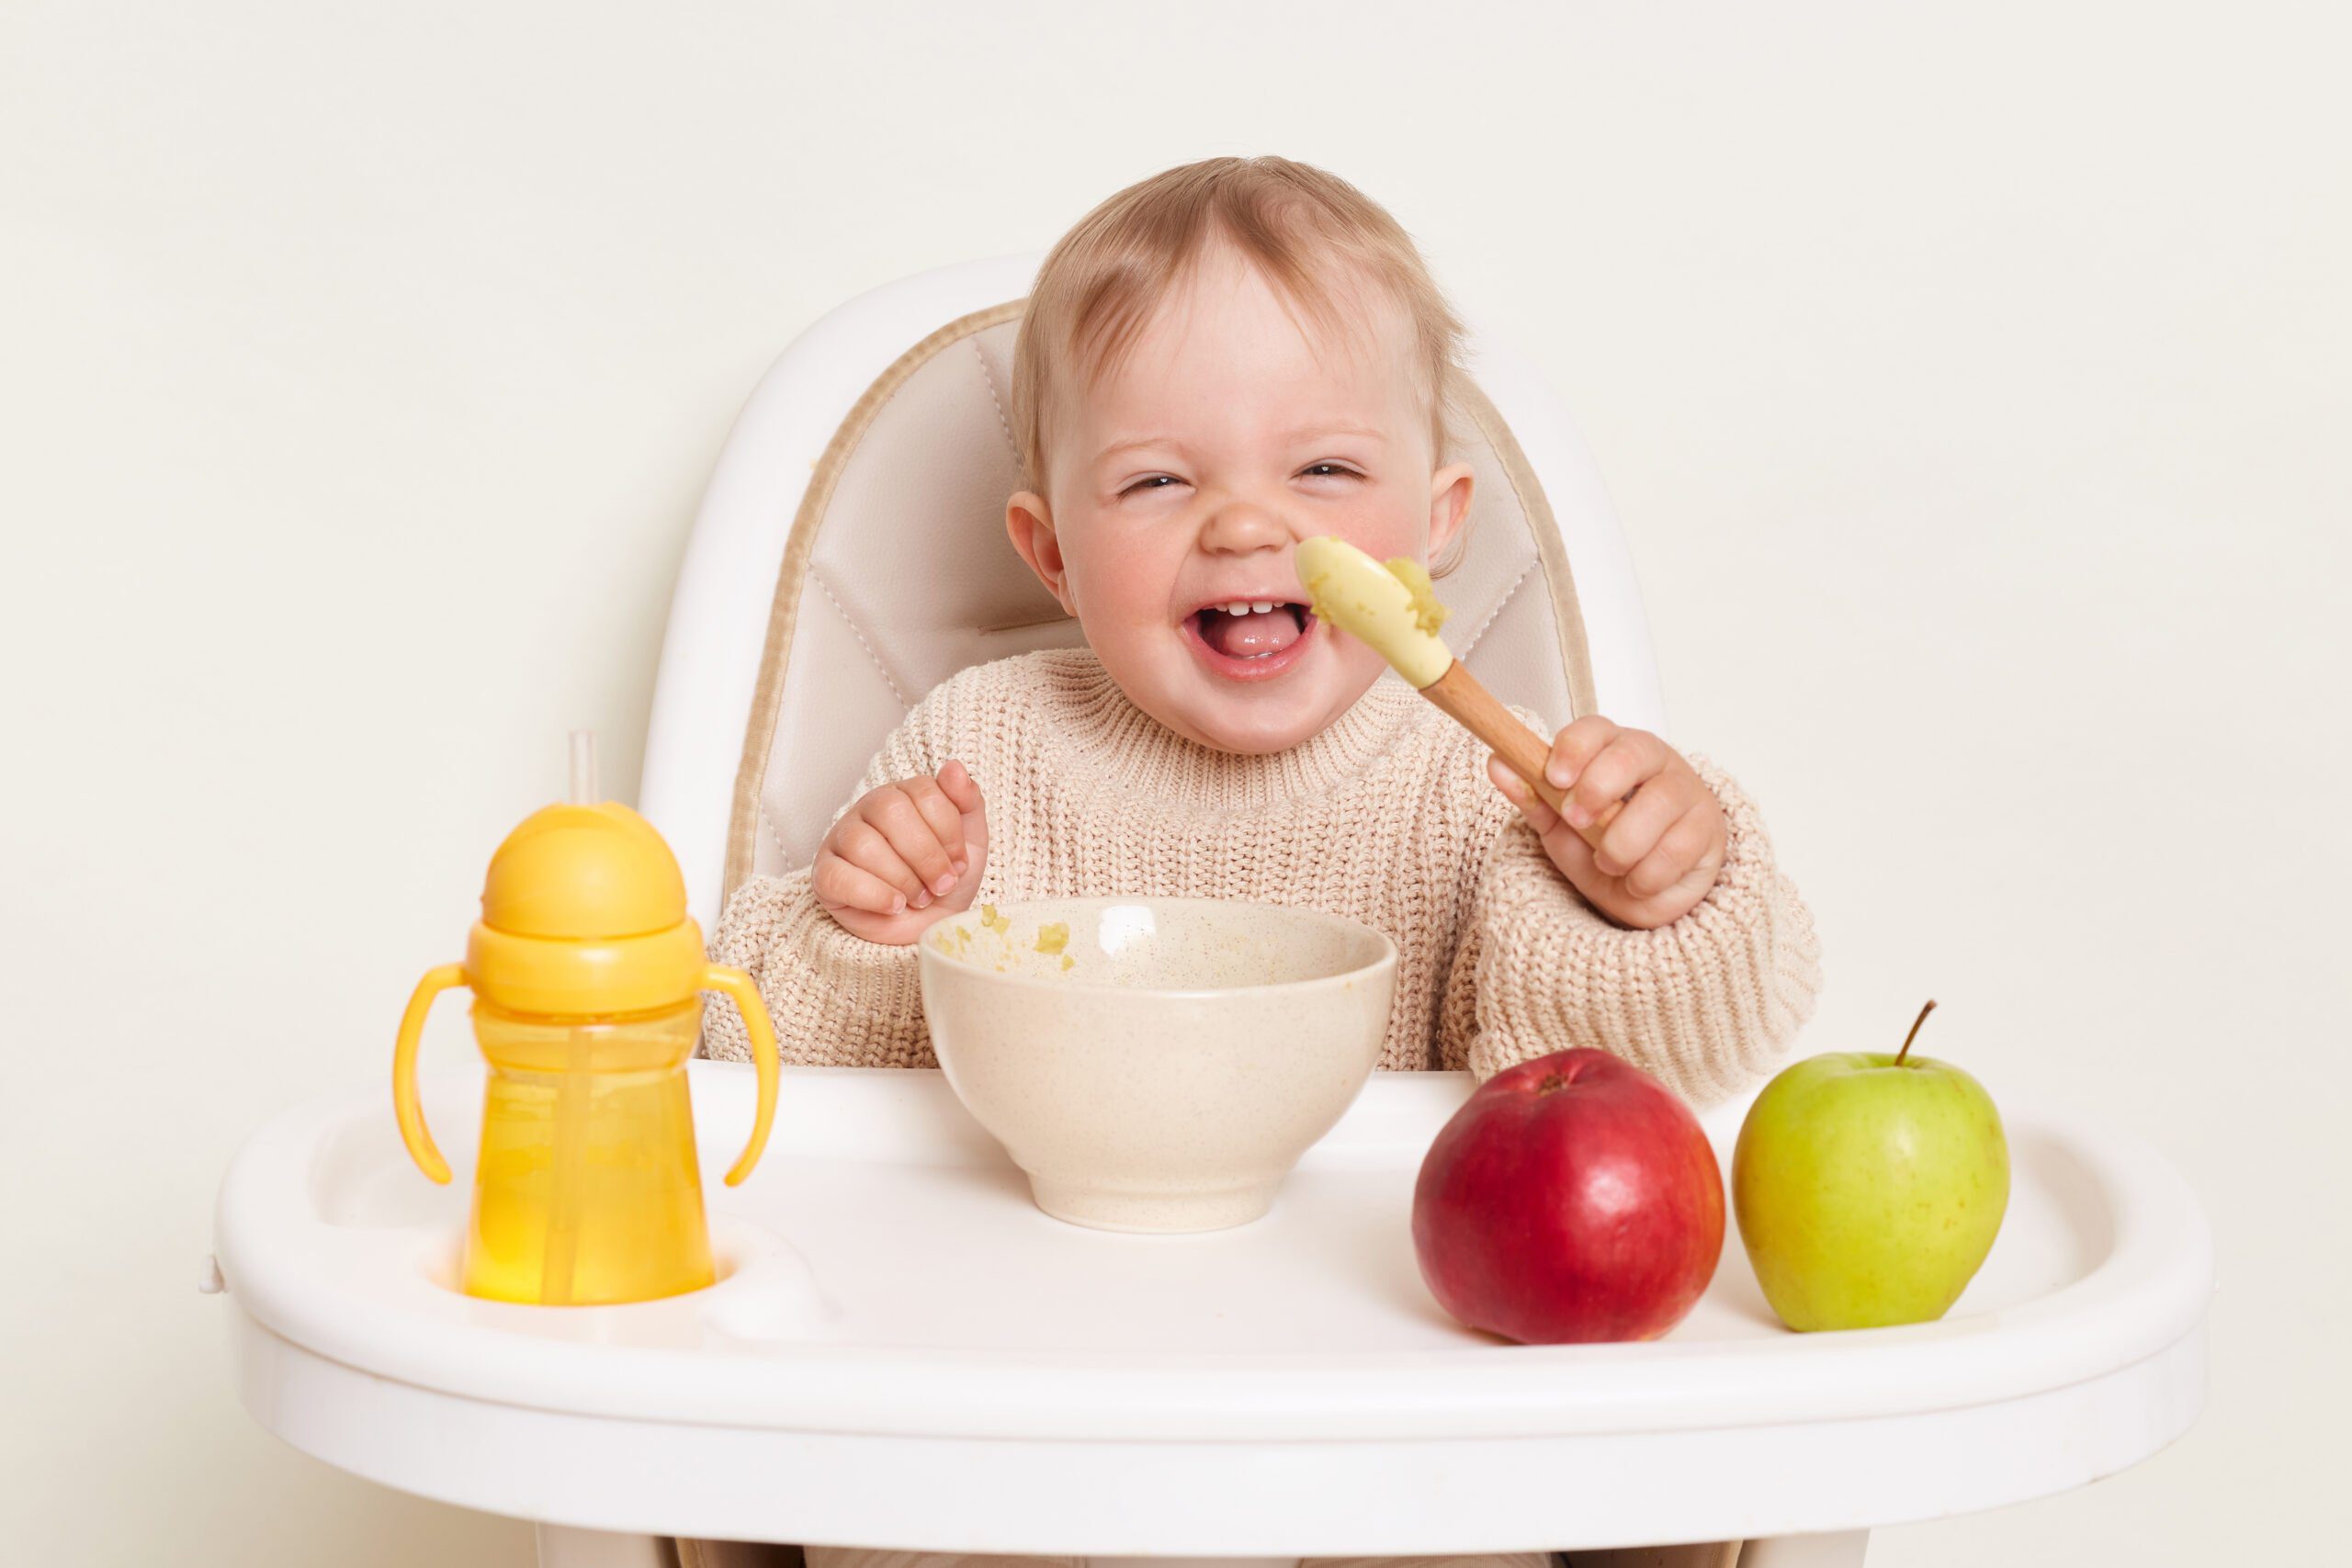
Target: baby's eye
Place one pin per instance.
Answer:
(1333, 470)
(1151, 481)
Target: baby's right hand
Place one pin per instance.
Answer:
(903, 856)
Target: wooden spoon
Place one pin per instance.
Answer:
(1393, 610)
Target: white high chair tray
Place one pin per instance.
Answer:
(905, 1352)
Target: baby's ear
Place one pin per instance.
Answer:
(1449, 490)
(1029, 522)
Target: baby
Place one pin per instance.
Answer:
(1216, 365)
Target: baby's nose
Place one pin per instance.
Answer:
(1243, 523)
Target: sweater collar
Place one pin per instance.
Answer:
(1104, 733)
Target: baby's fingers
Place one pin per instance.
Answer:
(1685, 845)
(1631, 757)
(961, 787)
(945, 818)
(865, 846)
(1540, 816)
(895, 812)
(1570, 852)
(1635, 831)
(1575, 747)
(957, 783)
(842, 885)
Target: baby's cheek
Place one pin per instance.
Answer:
(1138, 575)
(1119, 568)
(1385, 524)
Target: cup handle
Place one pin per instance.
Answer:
(746, 996)
(414, 1133)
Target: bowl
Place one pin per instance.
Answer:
(1156, 1064)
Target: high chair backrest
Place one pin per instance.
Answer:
(849, 555)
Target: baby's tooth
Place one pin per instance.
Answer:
(1262, 605)
(1236, 609)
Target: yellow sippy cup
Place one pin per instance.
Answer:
(586, 973)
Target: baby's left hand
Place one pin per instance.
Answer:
(1660, 854)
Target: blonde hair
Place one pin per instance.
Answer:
(1308, 232)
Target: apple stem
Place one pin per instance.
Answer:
(1915, 1031)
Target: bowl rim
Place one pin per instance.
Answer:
(928, 957)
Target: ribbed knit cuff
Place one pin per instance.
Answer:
(1709, 1002)
(836, 999)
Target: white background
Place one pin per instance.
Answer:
(1972, 380)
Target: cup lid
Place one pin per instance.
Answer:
(575, 873)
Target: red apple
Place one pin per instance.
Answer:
(1571, 1198)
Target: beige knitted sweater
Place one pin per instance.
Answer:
(1386, 817)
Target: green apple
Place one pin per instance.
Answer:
(1869, 1188)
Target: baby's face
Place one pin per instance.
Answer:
(1183, 482)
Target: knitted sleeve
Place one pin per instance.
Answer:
(1707, 1003)
(836, 999)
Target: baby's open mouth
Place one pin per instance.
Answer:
(1251, 629)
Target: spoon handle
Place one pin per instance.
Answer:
(1522, 751)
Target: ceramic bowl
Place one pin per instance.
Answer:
(1156, 1063)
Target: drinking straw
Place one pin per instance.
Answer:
(561, 1257)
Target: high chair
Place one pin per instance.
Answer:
(849, 554)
